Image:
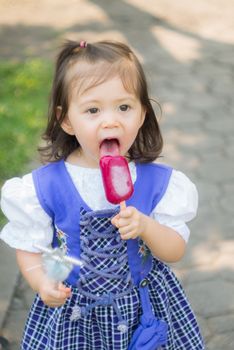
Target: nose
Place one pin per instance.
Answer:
(110, 122)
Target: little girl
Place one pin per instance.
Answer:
(124, 296)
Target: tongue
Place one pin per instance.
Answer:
(109, 148)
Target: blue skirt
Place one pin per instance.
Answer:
(58, 329)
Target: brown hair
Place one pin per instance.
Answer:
(98, 62)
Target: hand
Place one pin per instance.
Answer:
(130, 223)
(54, 294)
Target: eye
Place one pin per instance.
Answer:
(93, 110)
(124, 108)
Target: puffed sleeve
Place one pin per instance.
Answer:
(28, 223)
(178, 205)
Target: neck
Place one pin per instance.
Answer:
(77, 158)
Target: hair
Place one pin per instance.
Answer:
(95, 64)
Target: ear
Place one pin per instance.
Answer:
(66, 124)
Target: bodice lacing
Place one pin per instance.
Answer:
(105, 276)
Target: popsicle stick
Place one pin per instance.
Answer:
(33, 267)
(59, 258)
(122, 205)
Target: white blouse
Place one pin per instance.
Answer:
(29, 223)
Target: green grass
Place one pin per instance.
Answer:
(24, 89)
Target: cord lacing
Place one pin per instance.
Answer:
(105, 276)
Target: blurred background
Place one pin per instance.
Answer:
(187, 50)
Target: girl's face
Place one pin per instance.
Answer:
(106, 111)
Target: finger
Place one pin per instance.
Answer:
(116, 216)
(53, 301)
(125, 237)
(124, 222)
(114, 219)
(68, 293)
(125, 230)
(129, 235)
(55, 304)
(115, 222)
(57, 294)
(128, 224)
(126, 213)
(63, 288)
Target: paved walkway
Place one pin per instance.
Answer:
(187, 48)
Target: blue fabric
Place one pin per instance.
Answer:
(60, 199)
(149, 335)
(105, 311)
(60, 329)
(151, 332)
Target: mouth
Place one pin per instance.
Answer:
(109, 147)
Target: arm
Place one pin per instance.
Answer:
(164, 242)
(30, 265)
(17, 196)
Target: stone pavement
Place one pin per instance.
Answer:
(187, 48)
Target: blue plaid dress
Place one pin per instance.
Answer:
(86, 324)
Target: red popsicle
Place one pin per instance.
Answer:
(116, 176)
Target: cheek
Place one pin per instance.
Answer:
(135, 128)
(80, 128)
(132, 134)
(86, 135)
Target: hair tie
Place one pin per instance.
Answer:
(83, 44)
